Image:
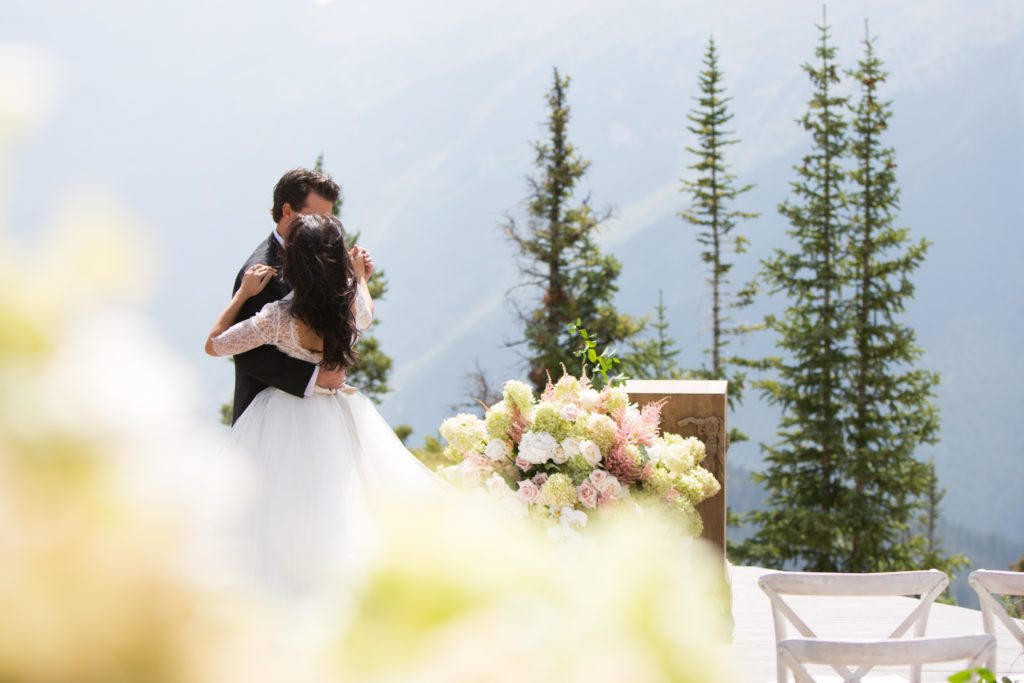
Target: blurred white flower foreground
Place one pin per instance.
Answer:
(114, 501)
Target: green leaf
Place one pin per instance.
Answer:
(591, 354)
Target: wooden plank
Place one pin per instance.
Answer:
(695, 408)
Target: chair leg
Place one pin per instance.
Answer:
(989, 626)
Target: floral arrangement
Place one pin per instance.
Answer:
(577, 452)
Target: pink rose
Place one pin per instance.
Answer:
(587, 494)
(471, 475)
(527, 491)
(569, 412)
(540, 478)
(598, 477)
(476, 458)
(610, 487)
(522, 463)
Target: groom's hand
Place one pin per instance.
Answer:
(330, 379)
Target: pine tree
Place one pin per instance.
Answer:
(890, 399)
(654, 358)
(373, 366)
(558, 255)
(805, 521)
(923, 538)
(713, 193)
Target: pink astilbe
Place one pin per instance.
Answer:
(585, 381)
(650, 421)
(626, 426)
(623, 466)
(549, 388)
(515, 430)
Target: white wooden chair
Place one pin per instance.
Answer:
(927, 584)
(987, 584)
(795, 652)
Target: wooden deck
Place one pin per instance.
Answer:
(752, 651)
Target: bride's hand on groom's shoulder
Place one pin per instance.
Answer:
(362, 263)
(255, 279)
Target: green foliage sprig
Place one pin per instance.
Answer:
(983, 674)
(602, 363)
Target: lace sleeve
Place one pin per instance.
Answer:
(363, 312)
(262, 328)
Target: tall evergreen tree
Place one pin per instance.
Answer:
(373, 367)
(889, 397)
(806, 518)
(710, 212)
(654, 358)
(559, 257)
(923, 536)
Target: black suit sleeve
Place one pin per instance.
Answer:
(266, 363)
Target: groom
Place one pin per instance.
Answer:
(298, 192)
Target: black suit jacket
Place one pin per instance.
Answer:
(265, 366)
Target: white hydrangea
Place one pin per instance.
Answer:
(464, 432)
(676, 453)
(537, 447)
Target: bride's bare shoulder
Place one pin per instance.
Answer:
(308, 338)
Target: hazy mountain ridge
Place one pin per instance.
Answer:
(964, 290)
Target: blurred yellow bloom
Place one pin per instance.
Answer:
(462, 592)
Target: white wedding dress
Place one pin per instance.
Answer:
(320, 463)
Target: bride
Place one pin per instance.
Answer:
(320, 460)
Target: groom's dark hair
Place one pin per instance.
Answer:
(294, 187)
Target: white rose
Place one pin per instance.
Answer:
(497, 486)
(591, 452)
(497, 449)
(589, 399)
(559, 457)
(569, 412)
(571, 446)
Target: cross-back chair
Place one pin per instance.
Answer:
(928, 584)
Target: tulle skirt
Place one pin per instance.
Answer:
(321, 463)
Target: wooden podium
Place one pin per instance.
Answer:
(695, 408)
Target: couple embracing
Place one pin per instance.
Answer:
(320, 450)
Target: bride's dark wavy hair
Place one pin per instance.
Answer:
(318, 267)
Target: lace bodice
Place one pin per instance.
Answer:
(275, 325)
